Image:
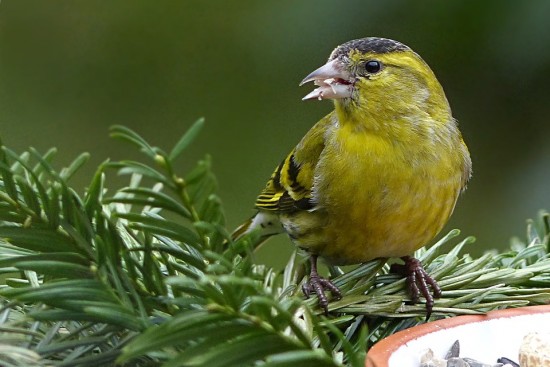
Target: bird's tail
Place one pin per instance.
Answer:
(266, 224)
(242, 229)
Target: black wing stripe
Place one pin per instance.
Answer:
(277, 177)
(292, 172)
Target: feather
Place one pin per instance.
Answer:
(290, 187)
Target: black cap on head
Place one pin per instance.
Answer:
(369, 44)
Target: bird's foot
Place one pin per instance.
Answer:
(317, 284)
(419, 281)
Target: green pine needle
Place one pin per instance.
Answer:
(147, 275)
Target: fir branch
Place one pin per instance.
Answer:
(148, 275)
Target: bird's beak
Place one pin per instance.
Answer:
(333, 80)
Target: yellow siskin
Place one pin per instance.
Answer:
(379, 176)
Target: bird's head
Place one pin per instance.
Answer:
(379, 77)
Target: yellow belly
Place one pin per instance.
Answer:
(379, 204)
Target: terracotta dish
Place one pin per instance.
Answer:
(482, 337)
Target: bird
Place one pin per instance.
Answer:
(378, 177)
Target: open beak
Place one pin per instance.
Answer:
(333, 80)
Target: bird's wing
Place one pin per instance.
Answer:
(290, 185)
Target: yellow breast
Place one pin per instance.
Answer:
(378, 197)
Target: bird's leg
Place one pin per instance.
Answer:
(418, 281)
(317, 284)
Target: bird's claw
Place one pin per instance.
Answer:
(419, 282)
(319, 285)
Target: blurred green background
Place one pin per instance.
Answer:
(70, 69)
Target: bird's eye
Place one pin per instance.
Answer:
(373, 66)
